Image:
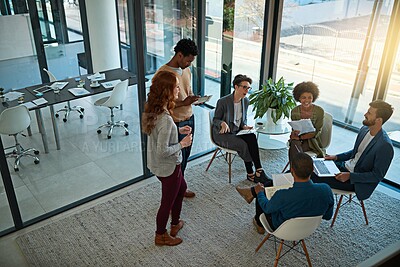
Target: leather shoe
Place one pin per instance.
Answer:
(189, 194)
(175, 228)
(245, 193)
(259, 229)
(167, 240)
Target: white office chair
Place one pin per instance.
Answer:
(326, 136)
(228, 154)
(294, 230)
(67, 109)
(12, 122)
(117, 97)
(349, 195)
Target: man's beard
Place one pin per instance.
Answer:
(368, 123)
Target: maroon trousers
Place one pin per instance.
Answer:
(173, 189)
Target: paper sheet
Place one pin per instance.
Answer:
(270, 191)
(246, 131)
(78, 91)
(39, 101)
(12, 95)
(282, 179)
(111, 84)
(303, 125)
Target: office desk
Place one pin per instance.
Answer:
(27, 98)
(65, 95)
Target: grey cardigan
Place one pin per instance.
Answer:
(163, 148)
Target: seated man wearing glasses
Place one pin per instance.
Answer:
(230, 117)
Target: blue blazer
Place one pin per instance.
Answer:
(373, 163)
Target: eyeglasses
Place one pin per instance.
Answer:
(245, 87)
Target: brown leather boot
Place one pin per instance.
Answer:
(245, 193)
(189, 194)
(166, 240)
(175, 228)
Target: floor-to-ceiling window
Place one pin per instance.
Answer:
(339, 46)
(233, 43)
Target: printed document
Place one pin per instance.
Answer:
(303, 125)
(78, 91)
(249, 131)
(280, 181)
(111, 84)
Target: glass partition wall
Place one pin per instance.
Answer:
(87, 164)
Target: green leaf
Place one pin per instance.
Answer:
(277, 95)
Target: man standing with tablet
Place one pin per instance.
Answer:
(185, 53)
(364, 166)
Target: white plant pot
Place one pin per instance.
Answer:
(266, 120)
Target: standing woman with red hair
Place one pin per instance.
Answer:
(164, 153)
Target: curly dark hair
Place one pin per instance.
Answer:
(161, 93)
(240, 78)
(187, 47)
(305, 87)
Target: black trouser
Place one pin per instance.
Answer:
(332, 182)
(186, 150)
(260, 211)
(251, 141)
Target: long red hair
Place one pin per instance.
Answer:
(161, 94)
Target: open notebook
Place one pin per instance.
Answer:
(280, 181)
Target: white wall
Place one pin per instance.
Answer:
(103, 34)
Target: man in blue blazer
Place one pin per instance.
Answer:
(363, 167)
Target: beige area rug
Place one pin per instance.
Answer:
(218, 229)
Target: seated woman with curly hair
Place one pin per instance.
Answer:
(306, 93)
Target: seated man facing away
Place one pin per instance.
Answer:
(363, 167)
(304, 199)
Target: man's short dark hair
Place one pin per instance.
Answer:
(302, 165)
(383, 110)
(187, 47)
(240, 78)
(305, 87)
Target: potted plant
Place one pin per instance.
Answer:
(276, 96)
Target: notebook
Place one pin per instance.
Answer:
(280, 181)
(78, 91)
(325, 168)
